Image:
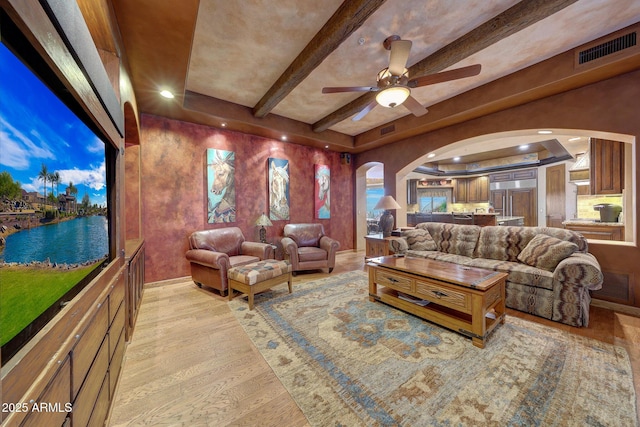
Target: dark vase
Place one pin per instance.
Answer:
(386, 223)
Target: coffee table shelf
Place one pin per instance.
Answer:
(459, 297)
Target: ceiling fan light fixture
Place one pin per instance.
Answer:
(393, 96)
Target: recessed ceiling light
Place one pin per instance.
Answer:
(456, 159)
(577, 138)
(167, 94)
(431, 155)
(524, 146)
(223, 124)
(544, 132)
(283, 137)
(326, 146)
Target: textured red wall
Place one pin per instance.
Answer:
(173, 181)
(132, 191)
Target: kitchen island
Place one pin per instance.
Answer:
(482, 219)
(594, 229)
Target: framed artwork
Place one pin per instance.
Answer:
(322, 192)
(221, 186)
(278, 189)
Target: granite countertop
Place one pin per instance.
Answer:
(508, 218)
(588, 222)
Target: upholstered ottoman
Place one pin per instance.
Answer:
(258, 276)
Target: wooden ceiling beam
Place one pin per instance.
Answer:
(348, 18)
(509, 22)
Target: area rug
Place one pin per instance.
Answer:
(347, 361)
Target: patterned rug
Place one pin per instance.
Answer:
(349, 362)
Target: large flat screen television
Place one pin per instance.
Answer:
(55, 174)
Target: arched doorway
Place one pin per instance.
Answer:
(496, 141)
(368, 176)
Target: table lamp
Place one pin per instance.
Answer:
(386, 220)
(263, 221)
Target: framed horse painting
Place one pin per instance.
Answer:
(221, 186)
(278, 189)
(322, 191)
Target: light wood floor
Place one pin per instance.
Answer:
(190, 363)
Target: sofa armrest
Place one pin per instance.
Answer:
(290, 248)
(328, 244)
(331, 246)
(399, 245)
(257, 249)
(581, 269)
(217, 260)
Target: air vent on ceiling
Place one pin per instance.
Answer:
(606, 48)
(387, 130)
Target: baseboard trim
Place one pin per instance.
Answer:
(621, 308)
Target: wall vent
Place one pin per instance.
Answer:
(607, 48)
(617, 46)
(387, 129)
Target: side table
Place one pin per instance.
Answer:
(378, 246)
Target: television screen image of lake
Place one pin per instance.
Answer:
(68, 242)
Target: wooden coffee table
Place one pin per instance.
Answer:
(465, 299)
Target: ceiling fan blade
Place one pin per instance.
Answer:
(365, 110)
(349, 89)
(399, 56)
(445, 76)
(415, 107)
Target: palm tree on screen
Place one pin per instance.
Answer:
(73, 191)
(44, 176)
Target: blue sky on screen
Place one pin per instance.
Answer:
(36, 128)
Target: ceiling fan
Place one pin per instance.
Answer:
(394, 86)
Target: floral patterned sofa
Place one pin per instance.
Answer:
(550, 270)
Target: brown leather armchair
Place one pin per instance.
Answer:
(213, 252)
(308, 248)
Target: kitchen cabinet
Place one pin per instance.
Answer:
(607, 166)
(478, 189)
(412, 191)
(513, 175)
(460, 190)
(598, 231)
(471, 190)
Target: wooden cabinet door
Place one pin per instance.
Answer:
(523, 203)
(498, 201)
(412, 191)
(556, 196)
(607, 166)
(460, 191)
(478, 189)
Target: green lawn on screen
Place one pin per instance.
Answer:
(26, 292)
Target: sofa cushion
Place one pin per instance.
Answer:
(503, 243)
(227, 240)
(546, 252)
(452, 238)
(311, 254)
(506, 243)
(517, 272)
(304, 234)
(419, 240)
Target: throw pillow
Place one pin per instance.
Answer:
(546, 252)
(419, 240)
